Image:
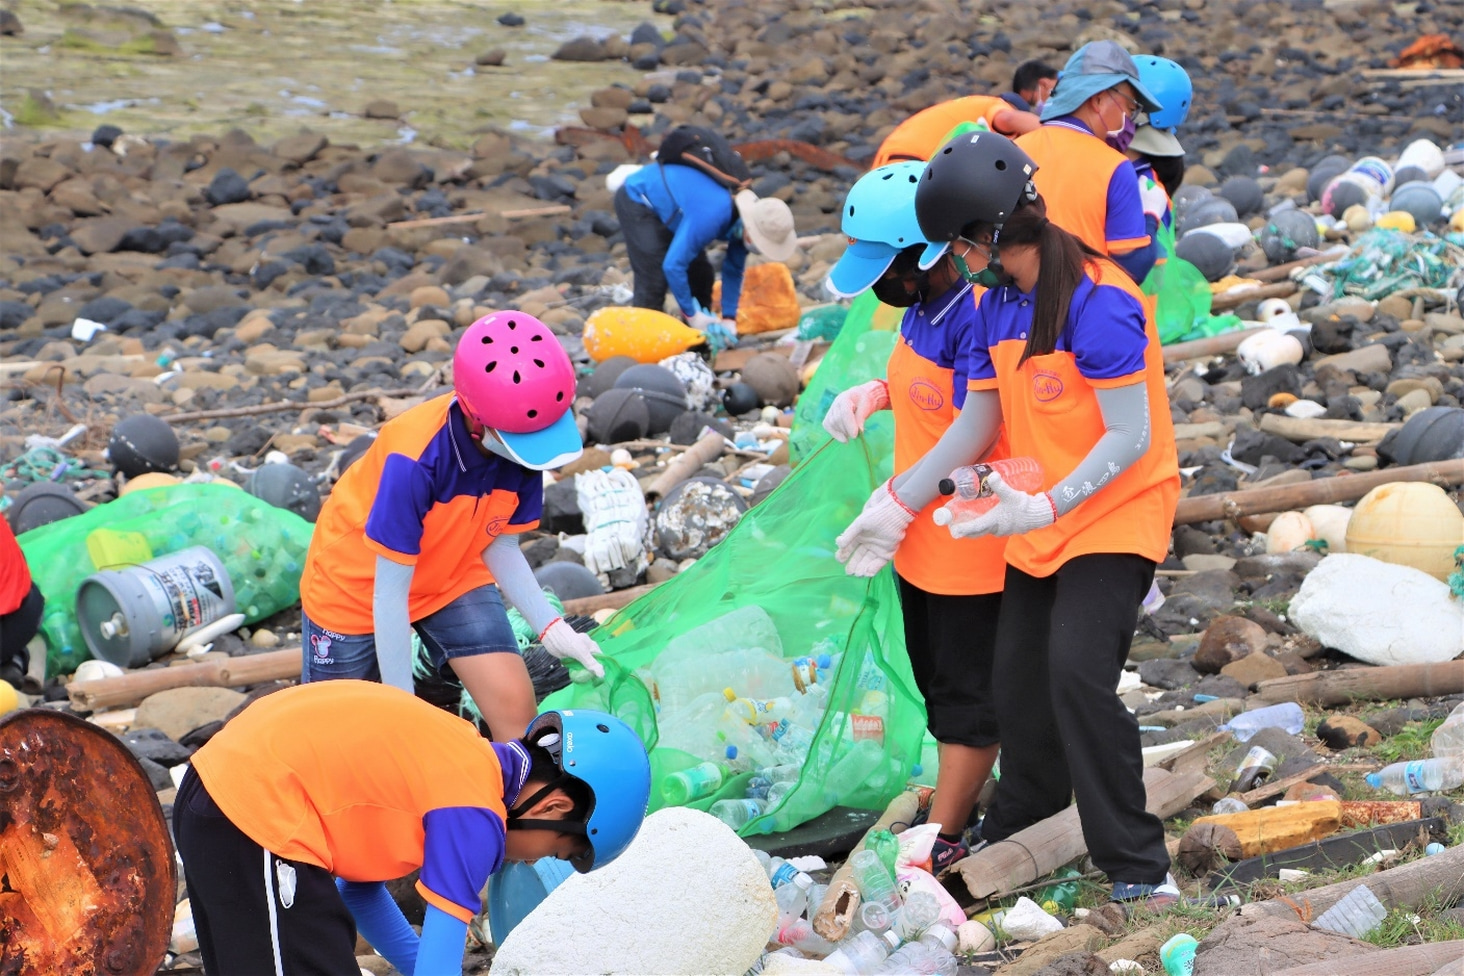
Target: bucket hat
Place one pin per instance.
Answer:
(769, 223)
(1095, 67)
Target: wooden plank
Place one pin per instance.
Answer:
(1406, 886)
(1284, 498)
(613, 600)
(1302, 429)
(1234, 299)
(1328, 854)
(472, 216)
(1412, 960)
(134, 686)
(1383, 683)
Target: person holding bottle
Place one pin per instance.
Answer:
(422, 532)
(950, 590)
(1089, 185)
(1064, 352)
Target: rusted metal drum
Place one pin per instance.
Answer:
(89, 879)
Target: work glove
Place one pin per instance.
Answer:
(701, 319)
(1155, 201)
(563, 641)
(615, 519)
(871, 539)
(850, 409)
(1015, 512)
(721, 334)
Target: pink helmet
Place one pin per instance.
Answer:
(511, 375)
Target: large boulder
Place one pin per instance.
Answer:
(1378, 612)
(626, 917)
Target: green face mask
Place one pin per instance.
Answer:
(986, 278)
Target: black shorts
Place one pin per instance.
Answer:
(256, 914)
(951, 641)
(17, 628)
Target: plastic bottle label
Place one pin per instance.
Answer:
(784, 875)
(1413, 774)
(869, 727)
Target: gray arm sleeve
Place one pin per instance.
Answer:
(967, 440)
(505, 560)
(393, 624)
(1126, 417)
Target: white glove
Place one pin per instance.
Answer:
(1015, 512)
(1155, 201)
(615, 520)
(563, 641)
(850, 409)
(871, 539)
(701, 319)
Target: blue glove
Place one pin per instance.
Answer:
(443, 937)
(381, 922)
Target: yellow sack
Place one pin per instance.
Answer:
(643, 334)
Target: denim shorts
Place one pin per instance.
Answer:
(474, 623)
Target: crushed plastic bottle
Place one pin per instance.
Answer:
(1287, 716)
(864, 952)
(800, 935)
(1448, 738)
(1229, 804)
(933, 954)
(1420, 776)
(972, 493)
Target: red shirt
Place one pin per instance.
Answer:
(15, 577)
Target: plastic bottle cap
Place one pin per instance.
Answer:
(731, 752)
(916, 769)
(892, 939)
(1374, 780)
(729, 694)
(824, 661)
(803, 880)
(946, 486)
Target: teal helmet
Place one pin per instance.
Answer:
(879, 221)
(1171, 85)
(606, 755)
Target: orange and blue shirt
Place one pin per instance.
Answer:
(1090, 188)
(919, 136)
(927, 386)
(369, 783)
(1050, 408)
(422, 495)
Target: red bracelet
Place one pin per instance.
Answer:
(546, 628)
(890, 487)
(1048, 495)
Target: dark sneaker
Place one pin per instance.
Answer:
(943, 854)
(1147, 897)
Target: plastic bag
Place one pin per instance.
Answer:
(261, 546)
(770, 614)
(860, 354)
(822, 322)
(1182, 295)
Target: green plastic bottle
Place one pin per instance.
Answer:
(884, 844)
(1061, 896)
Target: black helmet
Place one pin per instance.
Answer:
(977, 177)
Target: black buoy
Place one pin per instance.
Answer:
(142, 443)
(285, 486)
(664, 394)
(42, 503)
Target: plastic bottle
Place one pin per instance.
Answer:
(792, 899)
(684, 786)
(920, 911)
(737, 813)
(1229, 804)
(1356, 914)
(1178, 954)
(864, 952)
(972, 494)
(875, 883)
(1062, 895)
(800, 935)
(1448, 739)
(1420, 776)
(782, 872)
(875, 917)
(1286, 716)
(1254, 769)
(933, 954)
(757, 711)
(883, 843)
(854, 770)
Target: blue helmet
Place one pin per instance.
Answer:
(1171, 85)
(607, 756)
(879, 220)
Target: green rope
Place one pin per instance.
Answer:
(47, 464)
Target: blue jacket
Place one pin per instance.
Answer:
(698, 210)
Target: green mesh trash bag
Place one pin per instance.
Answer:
(1183, 297)
(822, 322)
(261, 546)
(858, 355)
(763, 675)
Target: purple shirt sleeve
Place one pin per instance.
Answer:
(401, 503)
(461, 847)
(1108, 338)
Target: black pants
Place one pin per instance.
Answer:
(17, 628)
(1061, 643)
(951, 641)
(257, 914)
(646, 242)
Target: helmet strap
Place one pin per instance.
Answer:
(516, 820)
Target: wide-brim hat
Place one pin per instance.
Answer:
(1095, 67)
(1153, 141)
(769, 223)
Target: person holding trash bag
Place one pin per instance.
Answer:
(295, 814)
(950, 590)
(422, 531)
(670, 213)
(1065, 353)
(1089, 185)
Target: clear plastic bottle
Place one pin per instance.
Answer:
(782, 872)
(686, 785)
(1286, 716)
(757, 711)
(874, 881)
(1420, 776)
(971, 494)
(792, 899)
(864, 952)
(737, 813)
(1448, 739)
(800, 935)
(875, 917)
(853, 770)
(1229, 804)
(920, 911)
(933, 954)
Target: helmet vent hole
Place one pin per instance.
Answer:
(491, 366)
(487, 339)
(536, 338)
(947, 150)
(513, 323)
(851, 209)
(516, 377)
(533, 414)
(539, 363)
(559, 397)
(513, 349)
(603, 727)
(1001, 164)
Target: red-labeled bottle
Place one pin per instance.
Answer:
(970, 493)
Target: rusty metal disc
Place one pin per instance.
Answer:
(88, 871)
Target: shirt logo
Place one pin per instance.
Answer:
(496, 525)
(1046, 385)
(926, 395)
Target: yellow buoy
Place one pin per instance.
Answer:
(149, 479)
(9, 700)
(1398, 220)
(643, 334)
(1408, 523)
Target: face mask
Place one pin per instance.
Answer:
(986, 277)
(891, 290)
(1124, 135)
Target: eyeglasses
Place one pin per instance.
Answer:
(1134, 106)
(982, 249)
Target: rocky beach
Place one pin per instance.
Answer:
(266, 224)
